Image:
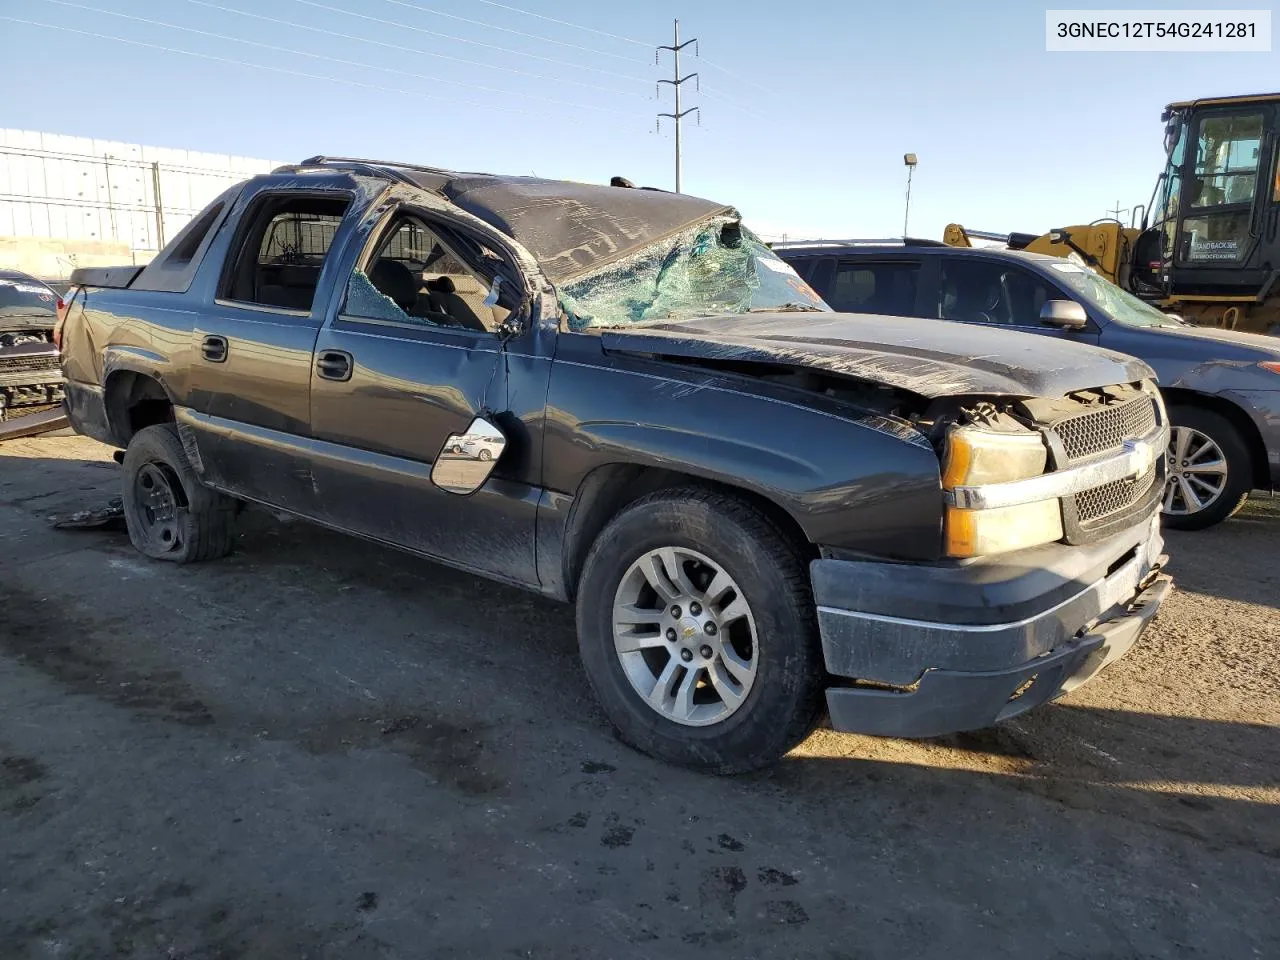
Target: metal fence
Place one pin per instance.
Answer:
(80, 190)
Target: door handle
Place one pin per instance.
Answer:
(334, 364)
(214, 348)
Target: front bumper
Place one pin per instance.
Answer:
(28, 379)
(937, 649)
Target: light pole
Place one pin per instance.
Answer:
(909, 159)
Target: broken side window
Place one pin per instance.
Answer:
(367, 301)
(432, 275)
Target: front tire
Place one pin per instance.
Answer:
(1210, 470)
(169, 513)
(698, 633)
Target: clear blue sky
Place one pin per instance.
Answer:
(807, 108)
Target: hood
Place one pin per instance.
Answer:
(933, 358)
(1211, 343)
(11, 323)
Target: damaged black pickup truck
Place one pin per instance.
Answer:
(30, 381)
(764, 511)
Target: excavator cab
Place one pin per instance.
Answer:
(1212, 236)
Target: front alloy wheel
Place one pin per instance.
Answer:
(1197, 472)
(698, 632)
(1210, 469)
(685, 636)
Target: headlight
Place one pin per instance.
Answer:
(973, 457)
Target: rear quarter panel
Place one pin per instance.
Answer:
(110, 331)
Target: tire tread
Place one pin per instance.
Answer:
(808, 676)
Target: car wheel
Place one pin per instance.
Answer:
(1210, 472)
(169, 513)
(698, 633)
(485, 454)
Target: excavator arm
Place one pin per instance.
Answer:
(1105, 246)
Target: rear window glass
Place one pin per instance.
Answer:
(26, 297)
(298, 237)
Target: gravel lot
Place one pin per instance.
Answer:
(319, 748)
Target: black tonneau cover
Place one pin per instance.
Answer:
(114, 277)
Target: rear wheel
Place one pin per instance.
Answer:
(1210, 472)
(697, 631)
(169, 513)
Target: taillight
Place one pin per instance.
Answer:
(64, 304)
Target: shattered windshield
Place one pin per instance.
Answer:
(1118, 304)
(715, 268)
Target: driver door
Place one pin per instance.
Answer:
(409, 356)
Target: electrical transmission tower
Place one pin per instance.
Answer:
(676, 82)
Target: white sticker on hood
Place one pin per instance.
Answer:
(777, 266)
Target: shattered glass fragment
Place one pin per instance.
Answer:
(366, 300)
(715, 268)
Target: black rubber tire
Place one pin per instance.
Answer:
(1239, 467)
(205, 518)
(787, 699)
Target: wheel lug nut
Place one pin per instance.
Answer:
(675, 611)
(706, 652)
(686, 654)
(710, 629)
(695, 608)
(671, 634)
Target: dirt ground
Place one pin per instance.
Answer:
(319, 748)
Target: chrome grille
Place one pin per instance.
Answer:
(20, 364)
(1112, 497)
(1106, 429)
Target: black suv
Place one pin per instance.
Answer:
(1222, 388)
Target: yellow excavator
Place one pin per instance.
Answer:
(1207, 247)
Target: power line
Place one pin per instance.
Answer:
(338, 60)
(262, 66)
(566, 23)
(518, 33)
(479, 43)
(716, 94)
(617, 36)
(729, 73)
(400, 48)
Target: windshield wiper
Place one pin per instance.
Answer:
(788, 308)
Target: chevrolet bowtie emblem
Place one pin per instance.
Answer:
(1142, 454)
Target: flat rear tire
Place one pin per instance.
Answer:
(169, 513)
